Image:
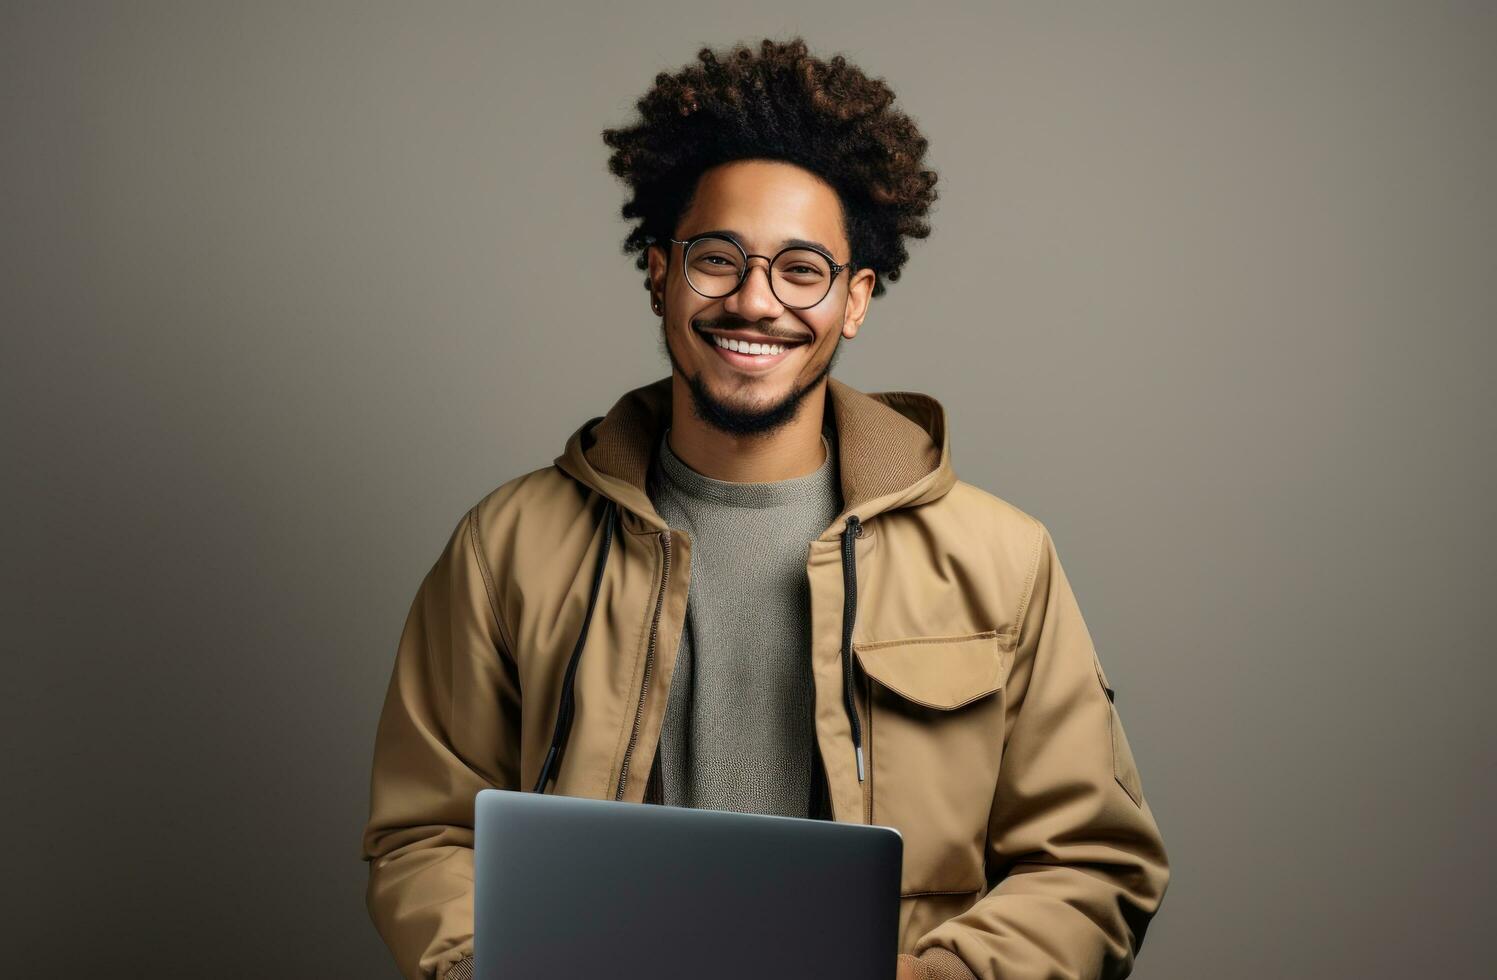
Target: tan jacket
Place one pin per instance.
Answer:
(956, 673)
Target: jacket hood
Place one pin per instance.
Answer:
(893, 450)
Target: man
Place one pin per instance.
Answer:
(752, 587)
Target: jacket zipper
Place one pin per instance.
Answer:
(853, 529)
(567, 708)
(644, 687)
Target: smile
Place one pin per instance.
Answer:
(755, 355)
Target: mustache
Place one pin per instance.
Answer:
(736, 324)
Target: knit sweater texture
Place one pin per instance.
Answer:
(738, 732)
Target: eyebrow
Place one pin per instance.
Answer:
(739, 236)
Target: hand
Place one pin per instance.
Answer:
(909, 968)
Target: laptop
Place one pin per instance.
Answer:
(573, 887)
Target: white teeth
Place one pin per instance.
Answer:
(743, 348)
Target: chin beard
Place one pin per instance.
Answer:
(738, 420)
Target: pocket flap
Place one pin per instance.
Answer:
(941, 672)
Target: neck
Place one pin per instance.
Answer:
(792, 450)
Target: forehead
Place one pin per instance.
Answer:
(767, 203)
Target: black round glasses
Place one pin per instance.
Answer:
(717, 266)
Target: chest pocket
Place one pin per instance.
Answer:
(934, 710)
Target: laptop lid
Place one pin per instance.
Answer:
(574, 887)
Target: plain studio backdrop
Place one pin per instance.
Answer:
(286, 288)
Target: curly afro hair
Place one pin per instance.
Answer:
(783, 104)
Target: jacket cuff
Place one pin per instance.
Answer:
(938, 963)
(461, 970)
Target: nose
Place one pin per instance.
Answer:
(755, 300)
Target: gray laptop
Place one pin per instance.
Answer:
(571, 887)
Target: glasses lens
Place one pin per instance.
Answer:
(801, 277)
(714, 266)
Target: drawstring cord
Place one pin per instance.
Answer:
(854, 529)
(564, 715)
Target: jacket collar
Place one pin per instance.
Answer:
(893, 450)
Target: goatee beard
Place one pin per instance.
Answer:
(736, 420)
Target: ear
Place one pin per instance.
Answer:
(656, 258)
(859, 294)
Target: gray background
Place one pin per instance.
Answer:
(1210, 293)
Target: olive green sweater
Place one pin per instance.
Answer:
(738, 731)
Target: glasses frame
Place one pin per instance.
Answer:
(837, 267)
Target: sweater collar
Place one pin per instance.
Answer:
(810, 488)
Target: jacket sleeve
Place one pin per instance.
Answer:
(1079, 859)
(449, 728)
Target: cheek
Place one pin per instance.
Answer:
(684, 306)
(685, 297)
(827, 331)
